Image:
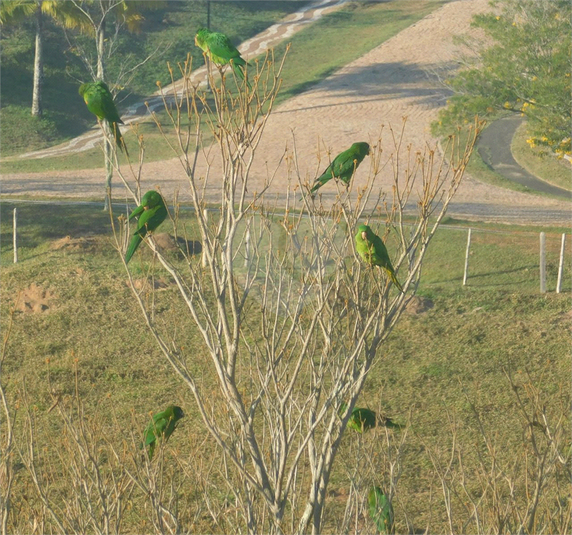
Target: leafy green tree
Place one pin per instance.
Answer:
(524, 66)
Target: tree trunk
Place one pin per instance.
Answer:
(38, 64)
(100, 45)
(108, 148)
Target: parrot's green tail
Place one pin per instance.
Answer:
(119, 138)
(133, 244)
(239, 72)
(394, 280)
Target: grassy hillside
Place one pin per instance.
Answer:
(444, 372)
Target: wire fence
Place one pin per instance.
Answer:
(478, 257)
(470, 256)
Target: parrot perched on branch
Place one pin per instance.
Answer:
(100, 102)
(151, 212)
(380, 510)
(162, 425)
(220, 50)
(372, 249)
(343, 166)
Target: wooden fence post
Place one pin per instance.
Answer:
(467, 258)
(204, 257)
(561, 264)
(15, 235)
(542, 262)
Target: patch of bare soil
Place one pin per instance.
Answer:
(35, 299)
(166, 242)
(418, 305)
(146, 284)
(87, 243)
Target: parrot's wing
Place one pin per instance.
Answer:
(344, 164)
(152, 218)
(220, 45)
(380, 250)
(108, 107)
(155, 429)
(136, 213)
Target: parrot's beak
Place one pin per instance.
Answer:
(364, 235)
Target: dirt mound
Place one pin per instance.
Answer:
(418, 305)
(158, 284)
(35, 299)
(166, 242)
(86, 243)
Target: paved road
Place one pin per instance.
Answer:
(494, 148)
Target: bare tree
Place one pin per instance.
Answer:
(6, 442)
(104, 20)
(292, 324)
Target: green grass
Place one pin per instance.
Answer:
(540, 162)
(325, 43)
(450, 360)
(436, 364)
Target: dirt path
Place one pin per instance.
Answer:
(395, 80)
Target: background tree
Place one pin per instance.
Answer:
(104, 20)
(13, 11)
(522, 65)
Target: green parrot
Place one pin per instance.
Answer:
(220, 50)
(380, 510)
(361, 419)
(163, 424)
(343, 166)
(100, 102)
(151, 212)
(372, 249)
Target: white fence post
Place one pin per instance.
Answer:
(561, 264)
(467, 258)
(542, 262)
(15, 235)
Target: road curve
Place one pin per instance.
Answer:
(494, 147)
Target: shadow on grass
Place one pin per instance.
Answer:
(481, 276)
(38, 223)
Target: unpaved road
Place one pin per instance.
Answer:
(395, 80)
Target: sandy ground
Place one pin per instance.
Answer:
(395, 80)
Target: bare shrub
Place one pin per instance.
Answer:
(289, 317)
